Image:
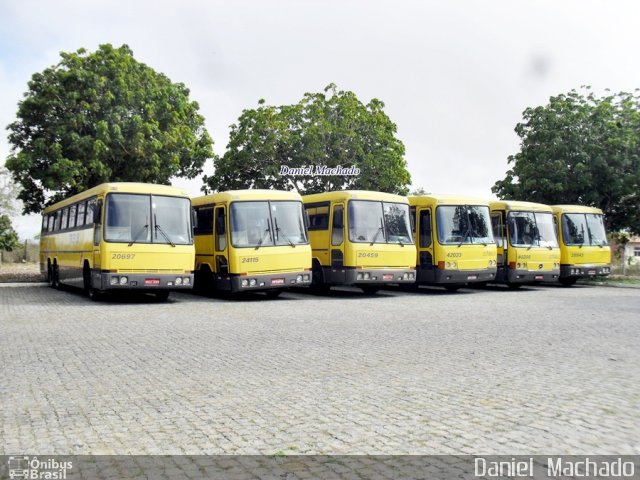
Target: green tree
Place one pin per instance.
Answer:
(580, 149)
(8, 236)
(102, 116)
(327, 129)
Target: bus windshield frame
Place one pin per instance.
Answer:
(147, 218)
(531, 229)
(267, 223)
(377, 221)
(467, 229)
(587, 229)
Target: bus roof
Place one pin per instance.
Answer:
(575, 209)
(254, 194)
(446, 199)
(511, 205)
(122, 187)
(344, 195)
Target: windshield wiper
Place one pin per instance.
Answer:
(541, 239)
(275, 220)
(135, 237)
(380, 229)
(266, 230)
(159, 229)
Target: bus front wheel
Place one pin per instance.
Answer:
(273, 293)
(91, 292)
(369, 290)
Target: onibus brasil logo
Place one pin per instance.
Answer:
(23, 466)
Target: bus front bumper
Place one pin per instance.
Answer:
(581, 271)
(369, 276)
(460, 277)
(253, 283)
(516, 276)
(141, 281)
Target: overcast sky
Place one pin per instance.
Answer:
(455, 75)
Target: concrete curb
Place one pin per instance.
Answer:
(23, 284)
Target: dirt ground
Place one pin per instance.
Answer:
(20, 272)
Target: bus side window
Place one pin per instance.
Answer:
(221, 230)
(91, 211)
(72, 216)
(412, 219)
(81, 209)
(498, 229)
(337, 231)
(425, 228)
(56, 225)
(204, 217)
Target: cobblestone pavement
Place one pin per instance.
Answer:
(544, 370)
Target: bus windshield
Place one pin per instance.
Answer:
(531, 229)
(267, 223)
(133, 218)
(464, 224)
(379, 222)
(583, 229)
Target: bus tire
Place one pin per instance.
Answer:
(452, 288)
(273, 293)
(369, 289)
(317, 279)
(162, 295)
(54, 279)
(514, 286)
(568, 281)
(92, 293)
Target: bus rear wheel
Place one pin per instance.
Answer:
(162, 295)
(54, 279)
(568, 281)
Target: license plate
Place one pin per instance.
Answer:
(592, 272)
(539, 277)
(387, 276)
(152, 281)
(277, 281)
(472, 277)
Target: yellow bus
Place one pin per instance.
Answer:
(584, 249)
(251, 241)
(527, 245)
(117, 237)
(454, 240)
(360, 238)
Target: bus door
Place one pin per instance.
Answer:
(94, 212)
(502, 246)
(338, 273)
(426, 264)
(221, 248)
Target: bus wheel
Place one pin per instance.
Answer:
(91, 292)
(162, 295)
(452, 288)
(54, 280)
(273, 293)
(568, 281)
(370, 290)
(514, 286)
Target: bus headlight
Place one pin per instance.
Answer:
(367, 275)
(245, 282)
(124, 280)
(252, 282)
(359, 276)
(179, 281)
(186, 281)
(299, 279)
(306, 277)
(405, 276)
(452, 265)
(114, 281)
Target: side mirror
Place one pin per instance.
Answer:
(97, 210)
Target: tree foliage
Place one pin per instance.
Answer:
(580, 149)
(102, 116)
(331, 129)
(8, 236)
